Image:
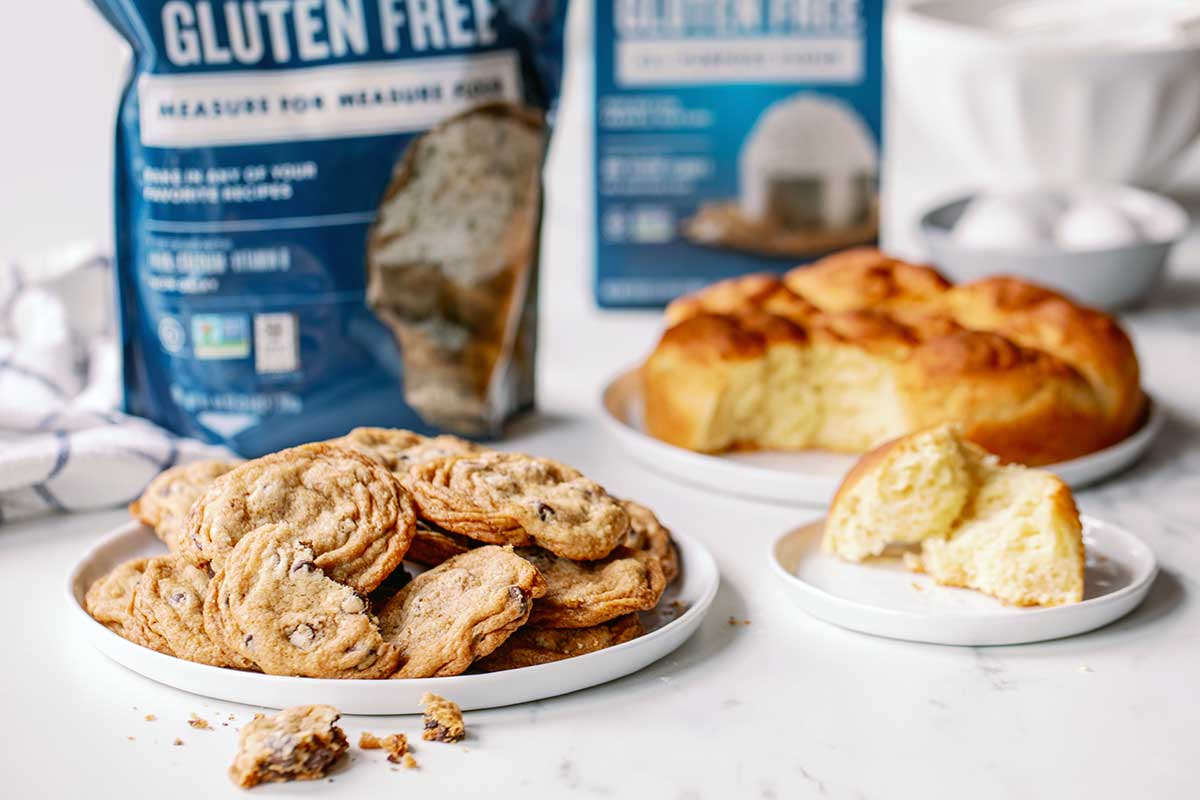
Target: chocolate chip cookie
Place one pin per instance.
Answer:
(431, 546)
(580, 594)
(399, 449)
(530, 646)
(649, 536)
(510, 498)
(165, 503)
(442, 719)
(110, 598)
(298, 743)
(272, 604)
(168, 611)
(460, 611)
(352, 511)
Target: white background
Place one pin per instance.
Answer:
(784, 707)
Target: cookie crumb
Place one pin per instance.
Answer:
(396, 744)
(916, 586)
(443, 719)
(1085, 668)
(150, 718)
(298, 743)
(199, 723)
(130, 738)
(735, 621)
(178, 742)
(409, 762)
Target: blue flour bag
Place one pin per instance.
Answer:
(328, 212)
(731, 137)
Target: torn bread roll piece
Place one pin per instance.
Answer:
(451, 265)
(1008, 531)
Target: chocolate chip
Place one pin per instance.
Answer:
(545, 513)
(519, 596)
(177, 597)
(303, 566)
(302, 636)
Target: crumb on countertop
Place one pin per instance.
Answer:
(396, 744)
(409, 762)
(178, 742)
(150, 718)
(736, 621)
(443, 719)
(199, 723)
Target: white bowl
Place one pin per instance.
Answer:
(1119, 108)
(1108, 278)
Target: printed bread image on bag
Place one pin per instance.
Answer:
(451, 262)
(328, 214)
(806, 184)
(731, 138)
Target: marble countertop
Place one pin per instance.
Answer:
(786, 706)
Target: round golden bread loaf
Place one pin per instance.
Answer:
(860, 348)
(1005, 530)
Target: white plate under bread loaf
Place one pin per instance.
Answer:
(859, 348)
(1006, 530)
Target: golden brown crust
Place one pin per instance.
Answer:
(1027, 374)
(863, 467)
(864, 277)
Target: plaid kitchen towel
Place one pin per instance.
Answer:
(64, 446)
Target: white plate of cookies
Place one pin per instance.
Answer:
(806, 478)
(367, 571)
(932, 539)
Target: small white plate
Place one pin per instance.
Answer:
(694, 590)
(811, 477)
(883, 598)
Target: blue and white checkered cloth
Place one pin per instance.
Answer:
(63, 444)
